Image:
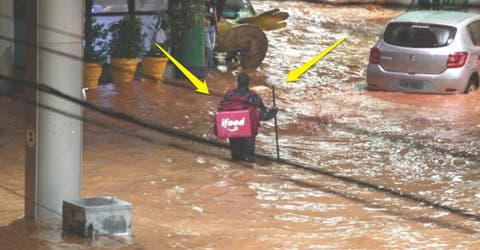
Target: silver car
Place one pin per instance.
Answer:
(427, 52)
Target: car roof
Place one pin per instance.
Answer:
(435, 17)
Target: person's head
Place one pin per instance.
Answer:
(243, 80)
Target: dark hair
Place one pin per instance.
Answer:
(243, 80)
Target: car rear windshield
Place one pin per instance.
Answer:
(419, 35)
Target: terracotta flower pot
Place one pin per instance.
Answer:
(123, 69)
(91, 74)
(154, 67)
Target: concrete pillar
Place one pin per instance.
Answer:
(59, 138)
(6, 47)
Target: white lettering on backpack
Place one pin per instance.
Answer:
(232, 125)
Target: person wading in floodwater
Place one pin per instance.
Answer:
(243, 149)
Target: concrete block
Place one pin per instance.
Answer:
(97, 216)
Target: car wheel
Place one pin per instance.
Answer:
(472, 85)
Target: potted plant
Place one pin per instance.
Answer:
(154, 61)
(94, 53)
(126, 46)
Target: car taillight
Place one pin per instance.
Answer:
(374, 55)
(457, 59)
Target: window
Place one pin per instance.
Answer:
(419, 35)
(150, 5)
(474, 30)
(237, 9)
(109, 6)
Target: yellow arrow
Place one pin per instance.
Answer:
(295, 74)
(201, 86)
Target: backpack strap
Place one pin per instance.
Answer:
(232, 97)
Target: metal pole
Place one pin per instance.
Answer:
(30, 62)
(276, 125)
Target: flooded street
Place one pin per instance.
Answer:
(426, 145)
(380, 170)
(422, 145)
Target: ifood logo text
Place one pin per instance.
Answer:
(232, 125)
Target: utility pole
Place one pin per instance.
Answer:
(53, 141)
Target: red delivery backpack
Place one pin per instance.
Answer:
(236, 117)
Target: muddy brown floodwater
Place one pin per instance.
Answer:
(186, 195)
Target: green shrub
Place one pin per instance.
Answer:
(127, 38)
(184, 14)
(95, 45)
